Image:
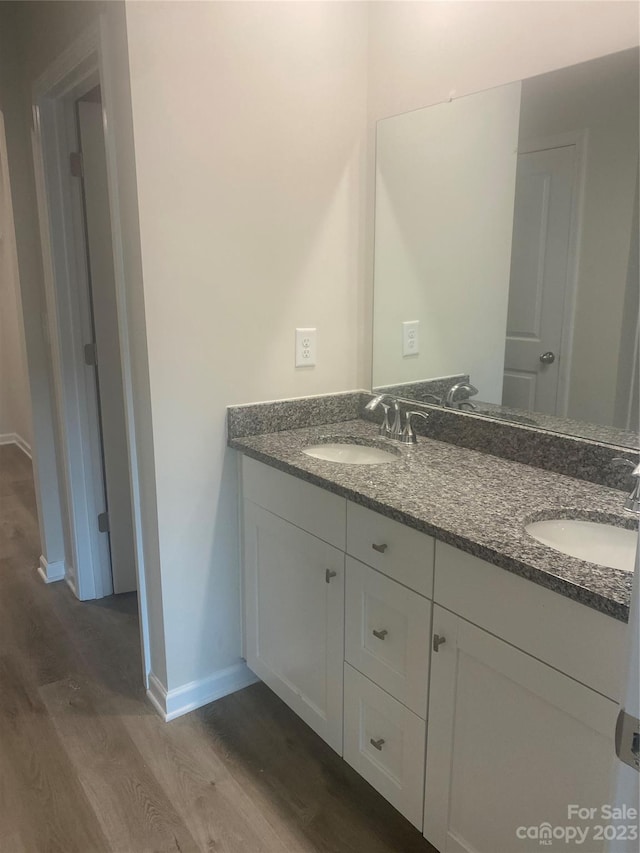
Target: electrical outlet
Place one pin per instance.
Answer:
(305, 347)
(410, 338)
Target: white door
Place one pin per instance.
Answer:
(540, 271)
(294, 611)
(511, 745)
(105, 322)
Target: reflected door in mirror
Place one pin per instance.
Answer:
(540, 304)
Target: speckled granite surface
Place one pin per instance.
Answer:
(415, 391)
(564, 454)
(253, 418)
(420, 391)
(565, 426)
(476, 502)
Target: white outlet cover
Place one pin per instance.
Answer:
(410, 338)
(306, 347)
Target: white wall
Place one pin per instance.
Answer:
(445, 190)
(15, 406)
(249, 124)
(421, 53)
(601, 98)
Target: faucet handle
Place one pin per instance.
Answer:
(408, 435)
(385, 429)
(396, 428)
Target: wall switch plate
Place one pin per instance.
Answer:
(305, 347)
(410, 338)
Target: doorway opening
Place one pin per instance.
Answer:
(102, 351)
(77, 189)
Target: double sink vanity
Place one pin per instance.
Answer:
(405, 602)
(450, 615)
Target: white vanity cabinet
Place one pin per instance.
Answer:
(478, 703)
(512, 739)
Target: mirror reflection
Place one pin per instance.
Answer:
(506, 252)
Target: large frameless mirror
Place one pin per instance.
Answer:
(506, 252)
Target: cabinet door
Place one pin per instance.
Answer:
(294, 611)
(512, 743)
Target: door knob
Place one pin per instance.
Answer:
(548, 357)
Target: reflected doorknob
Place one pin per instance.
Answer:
(548, 357)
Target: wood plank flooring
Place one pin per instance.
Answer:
(87, 766)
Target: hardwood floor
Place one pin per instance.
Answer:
(87, 766)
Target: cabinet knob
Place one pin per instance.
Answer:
(377, 744)
(380, 548)
(329, 574)
(437, 642)
(380, 634)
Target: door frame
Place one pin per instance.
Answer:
(83, 65)
(580, 140)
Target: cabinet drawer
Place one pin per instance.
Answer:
(384, 742)
(579, 641)
(404, 554)
(313, 509)
(388, 631)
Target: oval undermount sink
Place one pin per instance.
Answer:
(603, 544)
(350, 454)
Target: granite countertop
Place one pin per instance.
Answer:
(476, 502)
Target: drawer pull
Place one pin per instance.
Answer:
(437, 642)
(380, 548)
(329, 574)
(377, 744)
(380, 634)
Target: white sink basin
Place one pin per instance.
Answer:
(350, 454)
(603, 544)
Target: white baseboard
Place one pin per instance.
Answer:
(174, 703)
(14, 438)
(24, 447)
(51, 572)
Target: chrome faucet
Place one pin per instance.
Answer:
(632, 502)
(393, 432)
(396, 432)
(469, 391)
